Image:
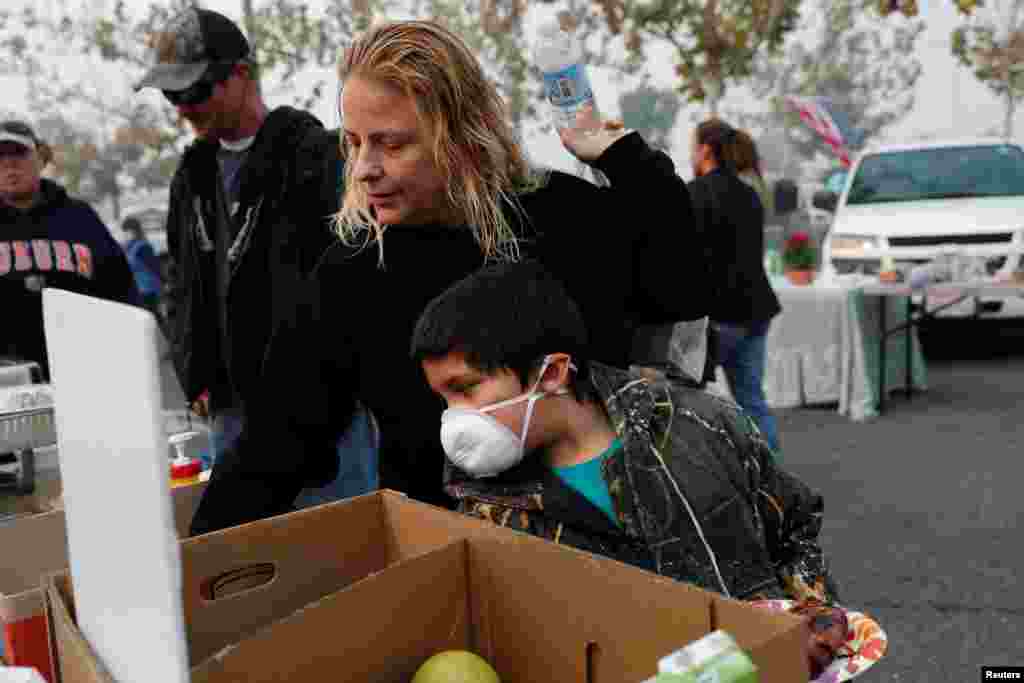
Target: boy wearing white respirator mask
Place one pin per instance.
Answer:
(655, 473)
(479, 443)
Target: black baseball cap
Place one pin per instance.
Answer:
(19, 133)
(190, 43)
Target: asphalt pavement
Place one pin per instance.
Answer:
(922, 505)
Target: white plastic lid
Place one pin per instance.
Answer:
(181, 437)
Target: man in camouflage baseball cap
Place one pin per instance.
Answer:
(202, 64)
(248, 220)
(189, 45)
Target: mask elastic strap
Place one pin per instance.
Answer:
(535, 396)
(540, 376)
(532, 395)
(507, 402)
(531, 402)
(544, 368)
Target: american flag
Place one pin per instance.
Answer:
(816, 113)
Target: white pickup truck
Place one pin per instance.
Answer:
(913, 202)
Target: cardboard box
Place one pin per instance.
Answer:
(46, 496)
(36, 547)
(367, 589)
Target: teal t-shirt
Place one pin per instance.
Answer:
(585, 478)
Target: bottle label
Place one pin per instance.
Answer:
(568, 88)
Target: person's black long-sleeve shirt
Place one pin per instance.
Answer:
(732, 218)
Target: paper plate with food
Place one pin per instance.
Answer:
(844, 643)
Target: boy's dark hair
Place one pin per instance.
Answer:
(506, 316)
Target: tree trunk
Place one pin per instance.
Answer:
(713, 104)
(519, 83)
(1013, 12)
(249, 23)
(714, 89)
(1011, 109)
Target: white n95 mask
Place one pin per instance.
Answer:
(478, 444)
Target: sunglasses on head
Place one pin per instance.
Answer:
(13, 151)
(201, 90)
(197, 93)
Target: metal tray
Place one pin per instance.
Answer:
(33, 428)
(26, 417)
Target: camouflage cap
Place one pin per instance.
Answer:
(188, 45)
(20, 133)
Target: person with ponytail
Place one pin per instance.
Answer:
(747, 162)
(743, 301)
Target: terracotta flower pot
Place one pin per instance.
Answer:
(800, 277)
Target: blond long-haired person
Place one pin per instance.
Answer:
(436, 186)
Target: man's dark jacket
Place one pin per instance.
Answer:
(732, 217)
(290, 186)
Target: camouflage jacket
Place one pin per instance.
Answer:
(697, 495)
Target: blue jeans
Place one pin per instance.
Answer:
(741, 352)
(357, 448)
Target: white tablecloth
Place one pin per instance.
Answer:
(824, 348)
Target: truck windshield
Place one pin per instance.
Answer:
(941, 173)
(836, 180)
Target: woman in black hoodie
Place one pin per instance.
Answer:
(47, 239)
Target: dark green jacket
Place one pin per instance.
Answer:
(692, 464)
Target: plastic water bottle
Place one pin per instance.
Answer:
(559, 56)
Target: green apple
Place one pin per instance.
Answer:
(456, 666)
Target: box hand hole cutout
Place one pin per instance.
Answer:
(237, 581)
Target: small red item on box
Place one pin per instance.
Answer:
(26, 644)
(185, 470)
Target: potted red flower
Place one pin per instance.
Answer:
(799, 258)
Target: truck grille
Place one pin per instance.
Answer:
(994, 264)
(872, 266)
(866, 266)
(990, 238)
